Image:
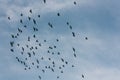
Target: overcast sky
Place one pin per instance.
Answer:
(99, 20)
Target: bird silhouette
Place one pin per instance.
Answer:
(82, 76)
(44, 1)
(9, 18)
(30, 10)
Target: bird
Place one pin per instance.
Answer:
(75, 55)
(29, 18)
(37, 61)
(75, 3)
(82, 76)
(9, 18)
(70, 27)
(57, 77)
(44, 1)
(86, 38)
(21, 14)
(58, 53)
(12, 43)
(67, 23)
(72, 65)
(34, 21)
(25, 26)
(50, 24)
(12, 50)
(50, 47)
(21, 21)
(28, 38)
(73, 49)
(57, 40)
(58, 14)
(73, 34)
(39, 77)
(43, 70)
(12, 36)
(30, 10)
(39, 16)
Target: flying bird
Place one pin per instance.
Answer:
(75, 2)
(8, 18)
(30, 10)
(44, 1)
(73, 34)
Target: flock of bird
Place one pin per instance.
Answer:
(31, 58)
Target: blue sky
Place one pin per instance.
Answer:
(99, 20)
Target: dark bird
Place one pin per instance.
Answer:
(86, 38)
(44, 1)
(75, 3)
(22, 49)
(60, 68)
(54, 46)
(22, 53)
(62, 59)
(52, 69)
(58, 14)
(34, 21)
(66, 62)
(39, 44)
(25, 26)
(35, 29)
(37, 61)
(67, 23)
(63, 65)
(39, 16)
(21, 21)
(28, 38)
(8, 18)
(82, 76)
(32, 63)
(29, 54)
(44, 40)
(75, 55)
(73, 49)
(21, 14)
(57, 77)
(12, 36)
(73, 34)
(30, 10)
(72, 65)
(12, 50)
(50, 47)
(27, 46)
(34, 36)
(39, 77)
(57, 40)
(11, 43)
(49, 58)
(42, 58)
(37, 41)
(58, 53)
(19, 30)
(61, 71)
(37, 66)
(48, 51)
(70, 27)
(18, 44)
(33, 53)
(50, 24)
(29, 18)
(17, 34)
(43, 70)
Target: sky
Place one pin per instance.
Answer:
(99, 20)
